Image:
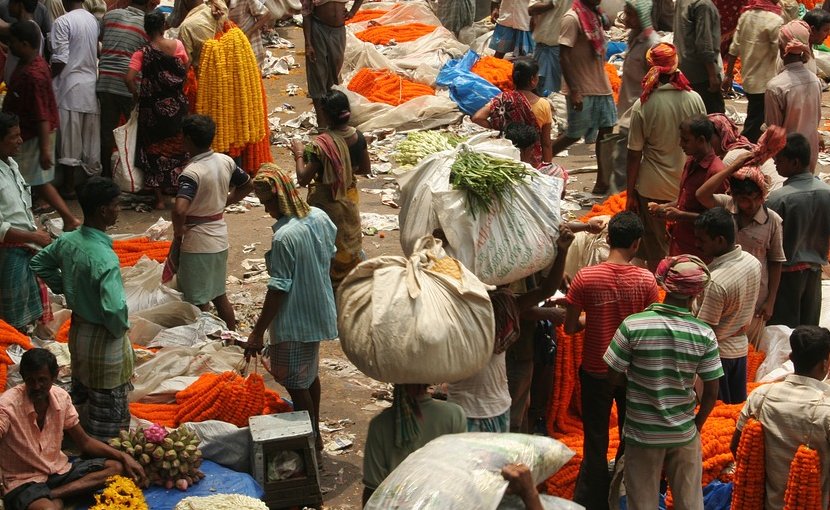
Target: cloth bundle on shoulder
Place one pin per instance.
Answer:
(416, 320)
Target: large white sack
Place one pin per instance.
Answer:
(469, 468)
(401, 322)
(143, 287)
(515, 239)
(423, 112)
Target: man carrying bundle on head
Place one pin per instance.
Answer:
(793, 412)
(656, 355)
(299, 310)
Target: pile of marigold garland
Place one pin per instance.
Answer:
(230, 90)
(382, 34)
(614, 79)
(497, 71)
(129, 251)
(227, 397)
(564, 415)
(384, 86)
(9, 336)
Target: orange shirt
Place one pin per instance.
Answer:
(28, 454)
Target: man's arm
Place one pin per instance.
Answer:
(616, 379)
(270, 308)
(521, 484)
(47, 267)
(307, 11)
(355, 7)
(706, 20)
(774, 280)
(574, 322)
(91, 447)
(705, 194)
(540, 8)
(60, 48)
(773, 112)
(736, 440)
(114, 303)
(179, 216)
(237, 193)
(574, 94)
(707, 402)
(554, 279)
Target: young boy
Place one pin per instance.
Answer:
(804, 206)
(82, 266)
(547, 23)
(756, 43)
(31, 98)
(760, 230)
(608, 293)
(207, 185)
(728, 302)
(701, 164)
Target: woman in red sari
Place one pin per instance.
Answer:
(522, 106)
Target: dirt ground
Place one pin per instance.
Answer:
(350, 399)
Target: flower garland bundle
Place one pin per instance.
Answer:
(230, 91)
(130, 251)
(259, 153)
(9, 336)
(227, 397)
(497, 71)
(750, 471)
(384, 86)
(382, 34)
(366, 15)
(611, 206)
(62, 335)
(121, 493)
(614, 79)
(753, 362)
(804, 483)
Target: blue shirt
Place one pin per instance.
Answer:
(804, 205)
(298, 263)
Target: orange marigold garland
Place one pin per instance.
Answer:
(382, 34)
(748, 492)
(131, 250)
(753, 362)
(804, 483)
(497, 71)
(611, 206)
(10, 336)
(366, 15)
(384, 86)
(614, 79)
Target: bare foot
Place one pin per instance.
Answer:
(160, 205)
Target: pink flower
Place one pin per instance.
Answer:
(155, 434)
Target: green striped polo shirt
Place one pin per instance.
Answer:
(660, 350)
(122, 34)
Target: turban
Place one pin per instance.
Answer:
(684, 274)
(271, 183)
(771, 142)
(663, 61)
(730, 137)
(794, 38)
(643, 10)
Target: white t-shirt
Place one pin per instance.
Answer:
(549, 24)
(514, 14)
(484, 395)
(75, 43)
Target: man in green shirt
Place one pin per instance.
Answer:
(82, 266)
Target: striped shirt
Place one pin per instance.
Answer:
(298, 264)
(608, 293)
(728, 303)
(123, 34)
(660, 351)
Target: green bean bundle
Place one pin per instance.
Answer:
(485, 179)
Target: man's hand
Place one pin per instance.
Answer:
(494, 14)
(632, 202)
(521, 484)
(766, 311)
(726, 86)
(134, 470)
(566, 237)
(41, 238)
(254, 345)
(310, 54)
(45, 159)
(576, 100)
(595, 225)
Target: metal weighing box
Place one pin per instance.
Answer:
(276, 433)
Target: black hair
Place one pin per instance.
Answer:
(336, 107)
(140, 2)
(717, 222)
(28, 5)
(521, 135)
(200, 129)
(817, 18)
(154, 23)
(624, 229)
(524, 70)
(810, 346)
(36, 359)
(7, 121)
(699, 125)
(26, 32)
(743, 186)
(96, 192)
(797, 148)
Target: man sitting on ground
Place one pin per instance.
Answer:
(36, 473)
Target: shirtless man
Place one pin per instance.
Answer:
(324, 28)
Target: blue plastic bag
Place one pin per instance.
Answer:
(467, 89)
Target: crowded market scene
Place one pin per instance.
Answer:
(415, 254)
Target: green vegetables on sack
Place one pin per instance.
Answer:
(420, 144)
(487, 180)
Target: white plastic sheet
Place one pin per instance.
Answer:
(469, 467)
(425, 112)
(143, 287)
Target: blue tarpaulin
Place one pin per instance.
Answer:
(469, 90)
(716, 496)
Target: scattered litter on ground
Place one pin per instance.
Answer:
(379, 221)
(339, 444)
(274, 66)
(292, 90)
(271, 39)
(341, 367)
(249, 248)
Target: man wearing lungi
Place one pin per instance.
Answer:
(82, 266)
(21, 296)
(324, 28)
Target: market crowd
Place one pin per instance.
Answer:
(733, 225)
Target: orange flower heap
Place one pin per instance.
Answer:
(384, 86)
(9, 336)
(131, 250)
(497, 71)
(614, 78)
(750, 474)
(382, 34)
(804, 483)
